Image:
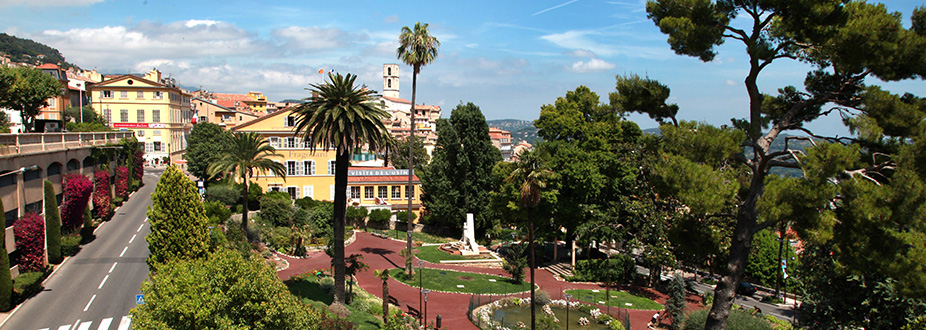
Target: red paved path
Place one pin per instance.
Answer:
(380, 253)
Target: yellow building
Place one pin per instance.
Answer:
(158, 111)
(208, 112)
(311, 173)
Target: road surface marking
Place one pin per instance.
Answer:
(104, 282)
(85, 326)
(139, 228)
(123, 251)
(104, 325)
(113, 267)
(64, 327)
(133, 238)
(124, 324)
(89, 302)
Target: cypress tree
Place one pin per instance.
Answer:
(6, 280)
(52, 224)
(86, 232)
(178, 220)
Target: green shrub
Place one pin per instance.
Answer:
(117, 201)
(542, 298)
(52, 225)
(380, 216)
(86, 231)
(778, 324)
(281, 239)
(621, 268)
(320, 220)
(27, 284)
(222, 193)
(738, 320)
(217, 238)
(216, 212)
(403, 216)
(70, 245)
(355, 214)
(307, 203)
(276, 211)
(277, 195)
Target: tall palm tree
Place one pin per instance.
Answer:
(248, 153)
(343, 116)
(383, 275)
(531, 173)
(417, 48)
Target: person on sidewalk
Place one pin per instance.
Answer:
(654, 322)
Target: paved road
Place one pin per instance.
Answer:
(96, 288)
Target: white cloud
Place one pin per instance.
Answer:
(391, 19)
(195, 22)
(313, 38)
(48, 3)
(592, 65)
(730, 82)
(587, 40)
(581, 53)
(385, 48)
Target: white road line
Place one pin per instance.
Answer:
(133, 238)
(123, 251)
(139, 228)
(113, 267)
(85, 326)
(89, 302)
(104, 282)
(146, 219)
(124, 324)
(64, 327)
(104, 325)
(43, 329)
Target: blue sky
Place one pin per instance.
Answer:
(508, 57)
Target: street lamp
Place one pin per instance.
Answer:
(425, 292)
(567, 296)
(420, 262)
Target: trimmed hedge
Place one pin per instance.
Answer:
(101, 195)
(30, 241)
(77, 190)
(620, 266)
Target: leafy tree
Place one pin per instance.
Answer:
(343, 115)
(216, 212)
(249, 153)
(28, 93)
(4, 119)
(90, 116)
(459, 180)
(77, 190)
(532, 175)
(515, 262)
(356, 214)
(223, 193)
(417, 48)
(52, 224)
(178, 221)
(836, 38)
(380, 216)
(6, 280)
(353, 265)
(276, 211)
(206, 142)
(417, 145)
(675, 305)
(30, 242)
(220, 291)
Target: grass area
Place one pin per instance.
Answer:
(423, 237)
(433, 254)
(618, 299)
(449, 281)
(365, 309)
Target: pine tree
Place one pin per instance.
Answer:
(52, 224)
(86, 232)
(6, 280)
(675, 306)
(178, 220)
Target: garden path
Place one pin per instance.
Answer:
(382, 253)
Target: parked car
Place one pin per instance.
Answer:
(745, 288)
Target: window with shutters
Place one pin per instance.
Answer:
(124, 115)
(290, 167)
(274, 141)
(108, 115)
(140, 115)
(331, 165)
(293, 192)
(289, 121)
(396, 192)
(123, 94)
(290, 143)
(308, 191)
(368, 192)
(331, 192)
(383, 192)
(309, 167)
(355, 192)
(155, 116)
(107, 94)
(410, 192)
(140, 95)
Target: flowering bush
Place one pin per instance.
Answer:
(138, 165)
(101, 195)
(122, 182)
(77, 190)
(30, 241)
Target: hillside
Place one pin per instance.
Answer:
(521, 130)
(28, 51)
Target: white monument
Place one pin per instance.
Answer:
(468, 245)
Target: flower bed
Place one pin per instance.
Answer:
(484, 315)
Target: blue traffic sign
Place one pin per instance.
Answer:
(139, 299)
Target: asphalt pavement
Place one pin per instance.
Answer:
(96, 288)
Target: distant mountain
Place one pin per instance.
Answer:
(28, 51)
(521, 130)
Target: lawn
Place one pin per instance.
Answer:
(316, 294)
(432, 253)
(618, 299)
(450, 281)
(423, 237)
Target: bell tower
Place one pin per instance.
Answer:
(391, 80)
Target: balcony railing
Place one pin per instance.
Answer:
(18, 144)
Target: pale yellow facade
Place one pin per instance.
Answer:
(159, 114)
(311, 173)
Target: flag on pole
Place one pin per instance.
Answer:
(321, 71)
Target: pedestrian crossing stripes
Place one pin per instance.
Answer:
(103, 325)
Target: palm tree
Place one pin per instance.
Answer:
(417, 48)
(343, 116)
(248, 153)
(383, 275)
(531, 173)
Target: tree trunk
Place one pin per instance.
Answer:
(533, 264)
(411, 172)
(781, 247)
(244, 208)
(385, 301)
(342, 162)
